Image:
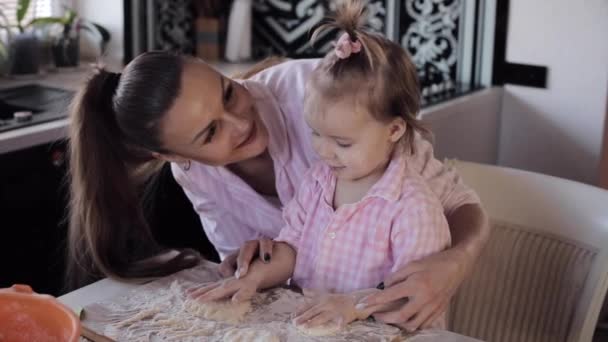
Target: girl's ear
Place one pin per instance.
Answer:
(169, 158)
(397, 129)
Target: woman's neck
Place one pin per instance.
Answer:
(258, 173)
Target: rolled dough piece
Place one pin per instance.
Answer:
(326, 329)
(222, 311)
(250, 335)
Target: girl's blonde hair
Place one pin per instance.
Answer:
(381, 76)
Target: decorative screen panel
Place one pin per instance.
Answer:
(428, 29)
(284, 27)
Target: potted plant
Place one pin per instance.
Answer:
(23, 47)
(65, 48)
(4, 39)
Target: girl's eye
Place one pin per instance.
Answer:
(211, 133)
(344, 145)
(314, 133)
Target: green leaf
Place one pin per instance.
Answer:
(3, 50)
(100, 30)
(69, 16)
(47, 21)
(105, 34)
(22, 8)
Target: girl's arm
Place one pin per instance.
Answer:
(278, 270)
(260, 276)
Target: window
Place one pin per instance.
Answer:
(37, 8)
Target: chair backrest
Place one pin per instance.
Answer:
(544, 273)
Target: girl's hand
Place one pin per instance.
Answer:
(326, 308)
(237, 264)
(239, 289)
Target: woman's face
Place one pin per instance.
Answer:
(213, 120)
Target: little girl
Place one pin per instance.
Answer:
(360, 213)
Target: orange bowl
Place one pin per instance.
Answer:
(28, 316)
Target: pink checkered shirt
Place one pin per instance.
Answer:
(232, 212)
(356, 246)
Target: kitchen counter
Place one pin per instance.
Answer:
(44, 132)
(71, 79)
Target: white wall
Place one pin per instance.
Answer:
(466, 128)
(557, 130)
(109, 14)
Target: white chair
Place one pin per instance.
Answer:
(544, 273)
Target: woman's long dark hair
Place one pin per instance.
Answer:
(114, 128)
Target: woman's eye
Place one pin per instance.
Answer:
(211, 133)
(343, 145)
(229, 93)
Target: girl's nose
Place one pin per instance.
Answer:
(324, 150)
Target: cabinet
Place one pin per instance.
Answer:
(33, 217)
(33, 196)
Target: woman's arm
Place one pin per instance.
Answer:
(339, 308)
(470, 230)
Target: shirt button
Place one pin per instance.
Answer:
(332, 235)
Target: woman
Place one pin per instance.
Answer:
(239, 150)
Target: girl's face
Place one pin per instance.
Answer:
(350, 140)
(213, 120)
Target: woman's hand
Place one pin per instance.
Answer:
(326, 308)
(239, 289)
(237, 264)
(427, 284)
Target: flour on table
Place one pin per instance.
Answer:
(327, 329)
(223, 311)
(162, 311)
(250, 335)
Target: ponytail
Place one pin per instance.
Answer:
(108, 234)
(380, 69)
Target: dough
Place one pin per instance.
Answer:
(326, 329)
(223, 311)
(250, 335)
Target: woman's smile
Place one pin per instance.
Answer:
(250, 136)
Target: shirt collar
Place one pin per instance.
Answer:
(388, 187)
(391, 183)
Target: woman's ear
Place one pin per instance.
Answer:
(170, 158)
(397, 129)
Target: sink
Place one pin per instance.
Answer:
(45, 103)
(8, 109)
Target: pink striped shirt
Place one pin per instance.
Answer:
(232, 212)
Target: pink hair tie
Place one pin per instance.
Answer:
(344, 47)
